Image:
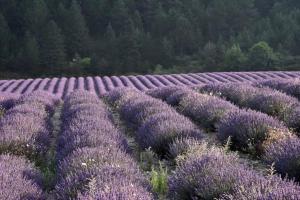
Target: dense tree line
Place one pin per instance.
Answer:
(77, 37)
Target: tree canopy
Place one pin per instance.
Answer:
(113, 37)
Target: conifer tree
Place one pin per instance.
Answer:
(52, 48)
(4, 41)
(76, 32)
(30, 54)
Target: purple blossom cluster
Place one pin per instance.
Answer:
(266, 100)
(250, 131)
(288, 86)
(210, 173)
(23, 128)
(284, 154)
(93, 163)
(157, 124)
(18, 179)
(7, 100)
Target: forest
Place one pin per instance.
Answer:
(41, 38)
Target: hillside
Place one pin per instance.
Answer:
(117, 37)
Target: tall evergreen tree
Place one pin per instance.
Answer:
(119, 16)
(4, 42)
(129, 49)
(35, 15)
(52, 49)
(183, 36)
(30, 53)
(76, 32)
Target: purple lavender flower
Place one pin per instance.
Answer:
(285, 155)
(248, 129)
(290, 87)
(18, 179)
(162, 129)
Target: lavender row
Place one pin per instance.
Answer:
(63, 86)
(211, 173)
(7, 100)
(19, 179)
(253, 132)
(266, 100)
(24, 132)
(157, 125)
(23, 128)
(93, 163)
(290, 87)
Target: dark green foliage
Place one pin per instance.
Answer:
(129, 36)
(4, 41)
(234, 58)
(262, 56)
(75, 31)
(30, 53)
(52, 48)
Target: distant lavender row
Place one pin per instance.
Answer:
(269, 101)
(211, 173)
(250, 131)
(23, 128)
(18, 179)
(100, 85)
(7, 100)
(290, 87)
(92, 154)
(157, 125)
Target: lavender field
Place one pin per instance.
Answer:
(61, 87)
(219, 136)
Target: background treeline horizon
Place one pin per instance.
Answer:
(113, 37)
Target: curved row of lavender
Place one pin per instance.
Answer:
(157, 125)
(202, 172)
(269, 101)
(93, 163)
(100, 85)
(212, 173)
(250, 131)
(19, 179)
(23, 133)
(290, 87)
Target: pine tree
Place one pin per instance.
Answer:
(159, 23)
(52, 48)
(4, 41)
(119, 16)
(30, 54)
(234, 58)
(35, 15)
(76, 32)
(129, 49)
(183, 36)
(110, 34)
(261, 56)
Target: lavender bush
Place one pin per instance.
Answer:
(210, 173)
(18, 179)
(285, 155)
(154, 129)
(162, 129)
(290, 87)
(266, 100)
(92, 155)
(24, 129)
(248, 129)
